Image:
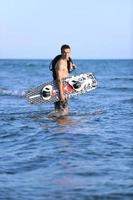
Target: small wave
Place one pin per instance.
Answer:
(122, 79)
(6, 92)
(30, 65)
(128, 100)
(122, 88)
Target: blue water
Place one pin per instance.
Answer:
(86, 155)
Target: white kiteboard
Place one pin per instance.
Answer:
(74, 85)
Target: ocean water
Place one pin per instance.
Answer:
(86, 155)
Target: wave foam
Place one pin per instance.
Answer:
(7, 92)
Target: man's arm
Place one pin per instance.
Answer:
(59, 74)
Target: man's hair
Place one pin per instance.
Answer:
(65, 46)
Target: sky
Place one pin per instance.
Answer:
(95, 29)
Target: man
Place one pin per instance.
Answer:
(62, 65)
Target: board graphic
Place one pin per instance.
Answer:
(74, 85)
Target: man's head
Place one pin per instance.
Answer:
(65, 51)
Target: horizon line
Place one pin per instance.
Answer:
(73, 58)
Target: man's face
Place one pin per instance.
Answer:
(66, 53)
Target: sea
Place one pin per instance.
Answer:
(87, 155)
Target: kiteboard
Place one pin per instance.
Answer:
(72, 86)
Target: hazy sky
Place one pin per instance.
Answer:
(93, 28)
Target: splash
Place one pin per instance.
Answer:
(6, 92)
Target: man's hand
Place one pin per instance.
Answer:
(72, 67)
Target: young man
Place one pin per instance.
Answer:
(61, 67)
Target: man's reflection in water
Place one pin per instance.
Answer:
(66, 121)
(61, 119)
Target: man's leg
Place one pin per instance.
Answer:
(62, 107)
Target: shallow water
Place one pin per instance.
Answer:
(85, 155)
